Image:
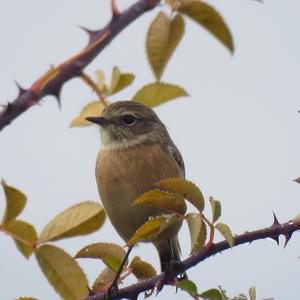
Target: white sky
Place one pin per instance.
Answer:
(237, 133)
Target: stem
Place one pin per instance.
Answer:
(90, 82)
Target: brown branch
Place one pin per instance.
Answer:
(274, 231)
(52, 81)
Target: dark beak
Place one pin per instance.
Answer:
(98, 120)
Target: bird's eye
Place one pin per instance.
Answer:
(128, 120)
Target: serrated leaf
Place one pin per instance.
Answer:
(187, 286)
(212, 294)
(26, 232)
(209, 18)
(119, 81)
(198, 232)
(152, 228)
(142, 269)
(80, 219)
(216, 209)
(169, 202)
(103, 281)
(62, 272)
(15, 202)
(226, 232)
(184, 188)
(163, 37)
(111, 254)
(297, 180)
(93, 109)
(252, 293)
(157, 93)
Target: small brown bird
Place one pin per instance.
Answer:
(136, 151)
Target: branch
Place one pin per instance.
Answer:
(52, 81)
(274, 231)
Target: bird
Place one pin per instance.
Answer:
(136, 152)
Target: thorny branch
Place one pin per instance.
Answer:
(52, 81)
(273, 232)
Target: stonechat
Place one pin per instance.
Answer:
(136, 151)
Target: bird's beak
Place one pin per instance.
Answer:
(98, 120)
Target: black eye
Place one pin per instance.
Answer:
(128, 120)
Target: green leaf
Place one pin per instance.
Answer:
(93, 109)
(216, 209)
(226, 232)
(212, 294)
(210, 19)
(188, 286)
(62, 272)
(119, 81)
(252, 293)
(80, 219)
(111, 254)
(103, 281)
(141, 269)
(157, 93)
(184, 188)
(15, 202)
(24, 231)
(169, 202)
(152, 228)
(198, 232)
(163, 37)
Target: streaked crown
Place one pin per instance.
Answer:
(127, 123)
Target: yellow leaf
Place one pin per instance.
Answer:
(119, 81)
(157, 93)
(226, 232)
(100, 80)
(111, 254)
(169, 202)
(27, 298)
(216, 209)
(141, 269)
(104, 280)
(80, 219)
(93, 109)
(26, 232)
(62, 272)
(15, 202)
(162, 39)
(115, 78)
(184, 188)
(152, 228)
(197, 230)
(209, 18)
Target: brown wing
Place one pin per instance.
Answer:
(178, 158)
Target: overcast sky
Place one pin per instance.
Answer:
(238, 133)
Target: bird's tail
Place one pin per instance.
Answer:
(169, 254)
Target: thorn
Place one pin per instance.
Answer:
(287, 236)
(275, 220)
(56, 94)
(159, 286)
(275, 238)
(21, 90)
(90, 33)
(114, 9)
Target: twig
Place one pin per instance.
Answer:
(52, 81)
(276, 229)
(89, 81)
